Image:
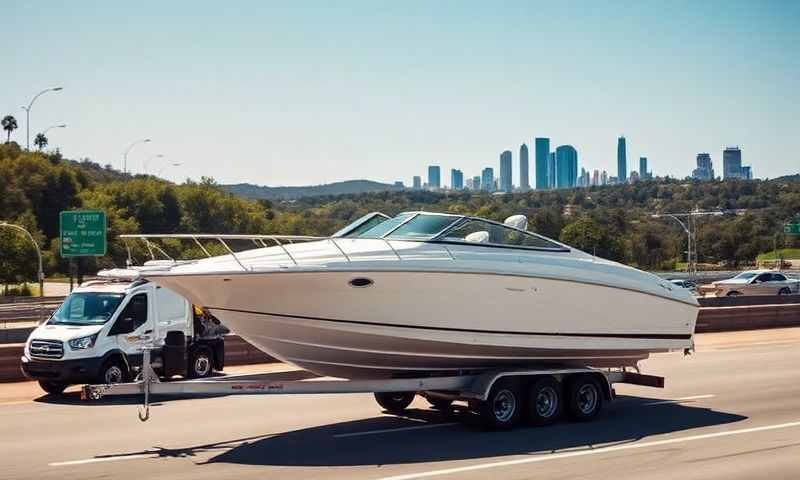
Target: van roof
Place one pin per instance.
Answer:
(104, 286)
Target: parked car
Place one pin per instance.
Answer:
(756, 282)
(687, 284)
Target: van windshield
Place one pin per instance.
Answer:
(87, 308)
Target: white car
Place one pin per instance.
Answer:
(756, 282)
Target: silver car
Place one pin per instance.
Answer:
(756, 282)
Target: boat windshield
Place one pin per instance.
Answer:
(423, 226)
(383, 228)
(361, 225)
(87, 308)
(477, 231)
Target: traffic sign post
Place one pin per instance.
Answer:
(83, 233)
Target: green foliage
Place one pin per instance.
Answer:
(9, 124)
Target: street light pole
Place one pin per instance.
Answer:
(689, 227)
(28, 113)
(125, 156)
(38, 252)
(167, 166)
(52, 127)
(147, 162)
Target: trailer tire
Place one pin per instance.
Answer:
(201, 362)
(440, 403)
(503, 406)
(52, 388)
(545, 400)
(113, 371)
(584, 397)
(394, 402)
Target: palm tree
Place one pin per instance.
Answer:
(40, 141)
(9, 125)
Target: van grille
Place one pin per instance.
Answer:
(47, 349)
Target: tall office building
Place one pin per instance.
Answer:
(524, 178)
(747, 172)
(551, 170)
(476, 182)
(487, 179)
(542, 147)
(434, 177)
(456, 179)
(731, 163)
(596, 177)
(566, 166)
(604, 178)
(417, 182)
(622, 160)
(643, 174)
(704, 170)
(506, 184)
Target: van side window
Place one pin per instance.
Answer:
(135, 309)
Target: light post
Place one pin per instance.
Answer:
(38, 252)
(151, 157)
(28, 113)
(690, 228)
(167, 166)
(125, 156)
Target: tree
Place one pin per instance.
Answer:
(40, 141)
(9, 125)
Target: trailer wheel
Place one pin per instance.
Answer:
(113, 371)
(394, 402)
(201, 362)
(544, 401)
(439, 403)
(503, 407)
(584, 398)
(52, 388)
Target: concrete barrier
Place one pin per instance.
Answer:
(726, 319)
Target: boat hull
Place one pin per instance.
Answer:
(410, 322)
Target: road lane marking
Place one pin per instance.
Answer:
(591, 451)
(392, 430)
(102, 459)
(678, 400)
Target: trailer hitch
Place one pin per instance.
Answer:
(146, 377)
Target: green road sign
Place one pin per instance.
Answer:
(83, 233)
(792, 229)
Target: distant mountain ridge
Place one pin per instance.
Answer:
(291, 193)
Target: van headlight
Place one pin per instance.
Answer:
(83, 342)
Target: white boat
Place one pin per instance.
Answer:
(434, 294)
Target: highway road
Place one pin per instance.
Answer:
(731, 411)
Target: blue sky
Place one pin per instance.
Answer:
(295, 93)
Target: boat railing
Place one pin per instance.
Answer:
(150, 242)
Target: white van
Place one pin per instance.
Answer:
(96, 336)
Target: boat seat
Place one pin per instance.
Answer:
(478, 237)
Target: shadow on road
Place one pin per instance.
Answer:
(628, 420)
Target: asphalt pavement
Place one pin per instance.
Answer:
(730, 411)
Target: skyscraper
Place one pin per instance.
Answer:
(487, 179)
(456, 179)
(747, 172)
(476, 182)
(622, 160)
(434, 177)
(566, 166)
(604, 178)
(417, 182)
(731, 163)
(551, 170)
(643, 175)
(524, 178)
(704, 170)
(596, 177)
(542, 146)
(506, 183)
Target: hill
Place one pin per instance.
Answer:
(292, 193)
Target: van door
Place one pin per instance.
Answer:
(131, 323)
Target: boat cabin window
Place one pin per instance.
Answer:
(475, 231)
(423, 227)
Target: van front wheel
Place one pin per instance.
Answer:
(52, 388)
(113, 371)
(201, 363)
